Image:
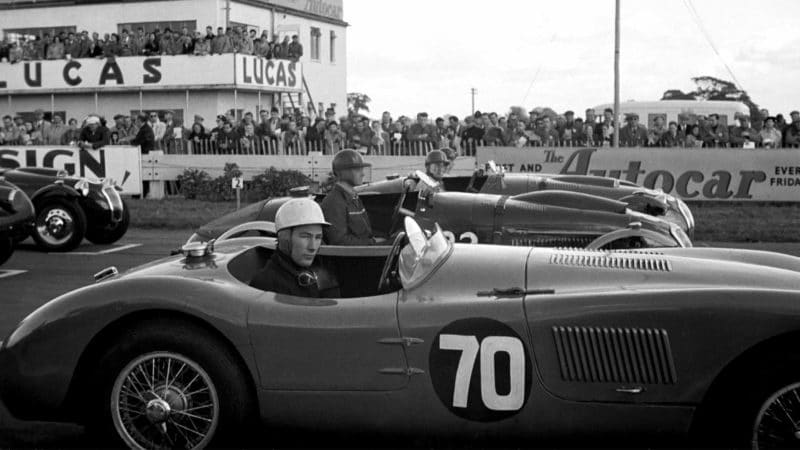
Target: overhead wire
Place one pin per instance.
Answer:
(704, 31)
(538, 70)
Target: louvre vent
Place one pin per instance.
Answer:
(610, 261)
(614, 355)
(639, 252)
(547, 240)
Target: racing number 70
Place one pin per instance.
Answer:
(491, 345)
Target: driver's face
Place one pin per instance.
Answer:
(305, 243)
(436, 170)
(353, 176)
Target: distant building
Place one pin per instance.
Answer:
(188, 85)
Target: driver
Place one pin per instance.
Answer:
(291, 270)
(343, 208)
(436, 164)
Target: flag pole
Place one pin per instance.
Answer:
(616, 76)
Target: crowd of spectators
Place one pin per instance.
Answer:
(137, 42)
(293, 132)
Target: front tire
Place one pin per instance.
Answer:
(110, 233)
(60, 224)
(6, 249)
(170, 384)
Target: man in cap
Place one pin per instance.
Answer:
(632, 134)
(791, 138)
(94, 135)
(349, 221)
(744, 135)
(292, 270)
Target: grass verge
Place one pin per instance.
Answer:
(721, 222)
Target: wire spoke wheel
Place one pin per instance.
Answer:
(164, 400)
(56, 226)
(777, 424)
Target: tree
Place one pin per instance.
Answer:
(357, 101)
(711, 88)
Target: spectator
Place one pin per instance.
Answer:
(567, 127)
(714, 134)
(604, 131)
(157, 126)
(292, 139)
(285, 48)
(131, 129)
(334, 139)
(40, 123)
(95, 47)
(673, 137)
(145, 137)
(126, 44)
(473, 132)
(197, 133)
(12, 133)
(114, 138)
(29, 52)
(494, 133)
(386, 122)
(591, 118)
(15, 54)
(315, 135)
(379, 137)
(295, 49)
(246, 44)
(72, 135)
(151, 46)
(217, 130)
(31, 136)
(228, 138)
(167, 43)
(94, 135)
(579, 133)
(791, 137)
(56, 49)
(209, 35)
(743, 135)
(422, 131)
(632, 134)
(693, 139)
(516, 136)
(112, 48)
(247, 137)
(683, 124)
(173, 131)
(546, 131)
(72, 47)
(261, 48)
(770, 136)
(185, 43)
(137, 42)
(202, 46)
(654, 134)
(40, 45)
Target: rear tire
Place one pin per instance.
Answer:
(60, 224)
(205, 402)
(111, 232)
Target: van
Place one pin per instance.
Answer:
(669, 110)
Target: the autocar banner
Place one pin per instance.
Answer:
(120, 163)
(725, 174)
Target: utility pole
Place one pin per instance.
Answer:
(473, 91)
(227, 14)
(616, 76)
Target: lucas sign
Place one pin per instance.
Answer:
(120, 163)
(729, 174)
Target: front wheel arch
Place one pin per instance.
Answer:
(112, 332)
(768, 352)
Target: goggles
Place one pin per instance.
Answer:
(306, 278)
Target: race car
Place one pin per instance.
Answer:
(16, 217)
(493, 180)
(70, 208)
(548, 218)
(427, 338)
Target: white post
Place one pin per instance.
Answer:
(616, 75)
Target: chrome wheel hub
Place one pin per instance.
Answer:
(164, 400)
(777, 424)
(56, 227)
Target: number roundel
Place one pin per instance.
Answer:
(480, 369)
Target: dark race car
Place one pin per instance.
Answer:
(70, 208)
(16, 217)
(548, 218)
(428, 338)
(495, 181)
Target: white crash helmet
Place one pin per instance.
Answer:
(298, 212)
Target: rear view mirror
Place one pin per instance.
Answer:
(416, 236)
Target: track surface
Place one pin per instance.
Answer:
(31, 278)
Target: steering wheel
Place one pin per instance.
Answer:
(471, 186)
(390, 260)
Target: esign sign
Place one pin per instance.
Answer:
(692, 174)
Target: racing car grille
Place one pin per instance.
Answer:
(610, 261)
(614, 355)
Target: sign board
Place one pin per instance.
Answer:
(725, 174)
(150, 73)
(269, 74)
(324, 8)
(237, 183)
(120, 163)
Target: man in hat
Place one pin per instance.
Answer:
(349, 221)
(292, 269)
(632, 134)
(791, 138)
(94, 135)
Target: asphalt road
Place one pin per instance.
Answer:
(31, 278)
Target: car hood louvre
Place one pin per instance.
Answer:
(611, 261)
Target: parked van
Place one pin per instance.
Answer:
(669, 110)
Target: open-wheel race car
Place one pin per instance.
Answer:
(70, 208)
(493, 180)
(546, 218)
(427, 337)
(16, 217)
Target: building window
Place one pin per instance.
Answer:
(149, 27)
(315, 38)
(333, 46)
(18, 34)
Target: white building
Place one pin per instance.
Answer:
(188, 85)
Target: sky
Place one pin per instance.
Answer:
(426, 55)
